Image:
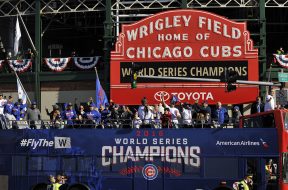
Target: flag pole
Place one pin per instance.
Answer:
(22, 86)
(96, 72)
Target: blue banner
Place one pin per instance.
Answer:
(210, 142)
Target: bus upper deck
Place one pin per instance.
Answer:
(148, 158)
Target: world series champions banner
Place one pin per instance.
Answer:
(183, 43)
(122, 145)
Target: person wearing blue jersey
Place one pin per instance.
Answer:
(16, 111)
(9, 105)
(23, 109)
(105, 115)
(93, 116)
(8, 110)
(220, 114)
(69, 115)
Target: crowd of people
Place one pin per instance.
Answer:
(111, 115)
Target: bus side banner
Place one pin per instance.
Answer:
(141, 144)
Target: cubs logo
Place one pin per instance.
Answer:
(150, 171)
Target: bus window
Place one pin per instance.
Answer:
(19, 165)
(221, 167)
(271, 173)
(35, 163)
(85, 164)
(69, 164)
(261, 121)
(50, 163)
(285, 167)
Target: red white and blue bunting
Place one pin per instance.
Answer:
(282, 60)
(20, 65)
(85, 62)
(57, 64)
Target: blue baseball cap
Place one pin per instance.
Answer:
(236, 108)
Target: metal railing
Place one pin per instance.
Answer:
(111, 123)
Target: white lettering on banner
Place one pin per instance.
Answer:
(220, 51)
(183, 52)
(185, 95)
(172, 37)
(59, 142)
(158, 25)
(189, 155)
(159, 52)
(219, 28)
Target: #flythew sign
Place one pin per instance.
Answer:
(183, 43)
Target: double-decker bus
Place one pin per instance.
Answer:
(148, 159)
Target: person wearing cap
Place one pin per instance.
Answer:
(16, 111)
(33, 116)
(23, 109)
(93, 116)
(186, 115)
(175, 113)
(69, 115)
(115, 115)
(8, 110)
(236, 115)
(9, 106)
(204, 110)
(105, 115)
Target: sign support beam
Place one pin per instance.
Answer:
(213, 80)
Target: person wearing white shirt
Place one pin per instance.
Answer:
(2, 104)
(136, 122)
(186, 116)
(145, 113)
(270, 102)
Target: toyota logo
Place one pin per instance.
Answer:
(157, 96)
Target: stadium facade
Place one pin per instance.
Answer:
(90, 28)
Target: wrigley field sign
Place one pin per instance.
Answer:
(183, 43)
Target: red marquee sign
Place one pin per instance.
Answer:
(183, 43)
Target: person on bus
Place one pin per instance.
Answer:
(166, 118)
(220, 114)
(145, 113)
(175, 113)
(236, 114)
(257, 106)
(270, 102)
